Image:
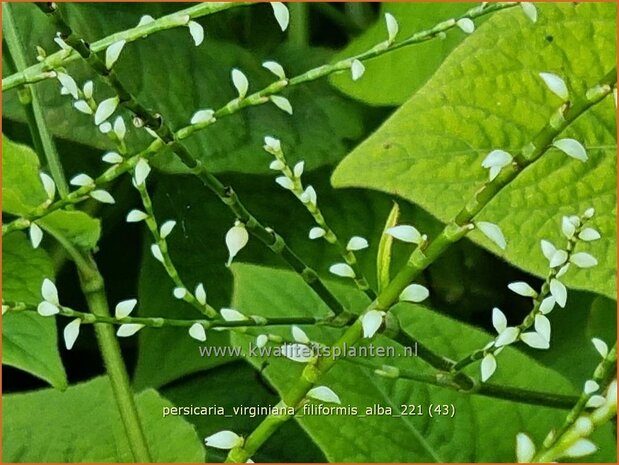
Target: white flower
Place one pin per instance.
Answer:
(589, 234)
(298, 169)
(548, 249)
(357, 243)
(262, 340)
(299, 335)
(298, 353)
(558, 258)
(572, 148)
(282, 103)
(309, 196)
(564, 269)
(272, 145)
(542, 326)
(113, 52)
(69, 84)
(600, 346)
(499, 321)
(156, 251)
(241, 84)
(556, 85)
(88, 89)
(525, 449)
(141, 172)
(112, 158)
(342, 269)
(277, 165)
(61, 43)
(611, 393)
(47, 309)
(128, 329)
(196, 31)
(146, 19)
(492, 232)
(197, 332)
(82, 180)
(105, 127)
(119, 128)
(70, 333)
(487, 367)
(547, 305)
(224, 440)
(589, 212)
(123, 309)
(201, 294)
(285, 182)
(414, 293)
(102, 196)
(105, 109)
(166, 228)
(495, 161)
(590, 386)
(559, 292)
(466, 24)
(203, 117)
(229, 314)
(316, 232)
(567, 227)
(371, 321)
(392, 26)
(36, 235)
(275, 68)
(236, 238)
(405, 233)
(529, 10)
(281, 13)
(595, 401)
(507, 336)
(179, 292)
(535, 340)
(522, 288)
(49, 292)
(48, 185)
(583, 260)
(580, 448)
(83, 107)
(356, 70)
(135, 216)
(323, 394)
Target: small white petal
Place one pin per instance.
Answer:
(128, 330)
(82, 180)
(201, 294)
(146, 19)
(589, 212)
(49, 292)
(277, 165)
(522, 288)
(499, 321)
(595, 401)
(224, 440)
(197, 32)
(611, 393)
(556, 85)
(88, 89)
(69, 84)
(342, 269)
(309, 195)
(5, 309)
(535, 340)
(583, 260)
(241, 84)
(414, 293)
(298, 352)
(272, 145)
(488, 367)
(356, 70)
(316, 232)
(102, 196)
(558, 259)
(105, 109)
(113, 52)
(507, 336)
(547, 305)
(229, 314)
(142, 170)
(542, 326)
(492, 232)
(466, 24)
(119, 127)
(71, 332)
(600, 346)
(299, 335)
(123, 309)
(236, 238)
(285, 182)
(589, 234)
(105, 127)
(392, 26)
(179, 292)
(371, 322)
(48, 185)
(203, 117)
(405, 233)
(590, 387)
(548, 249)
(262, 340)
(197, 332)
(529, 10)
(281, 13)
(493, 172)
(282, 103)
(572, 148)
(82, 106)
(47, 309)
(498, 158)
(567, 227)
(564, 269)
(580, 448)
(525, 449)
(559, 292)
(112, 158)
(323, 394)
(156, 251)
(298, 169)
(135, 216)
(36, 235)
(166, 228)
(357, 243)
(275, 68)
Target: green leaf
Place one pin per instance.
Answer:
(21, 185)
(29, 340)
(488, 95)
(473, 433)
(77, 227)
(83, 425)
(392, 78)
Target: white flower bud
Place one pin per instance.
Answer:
(272, 145)
(316, 232)
(556, 85)
(589, 234)
(522, 288)
(414, 293)
(262, 340)
(529, 10)
(282, 103)
(197, 332)
(112, 158)
(82, 180)
(299, 335)
(572, 148)
(36, 235)
(590, 386)
(488, 367)
(281, 13)
(595, 401)
(141, 172)
(241, 84)
(119, 128)
(547, 305)
(156, 251)
(105, 127)
(49, 186)
(275, 68)
(83, 107)
(323, 394)
(298, 169)
(499, 320)
(583, 260)
(197, 32)
(88, 89)
(392, 27)
(309, 196)
(201, 294)
(542, 326)
(589, 212)
(146, 19)
(123, 309)
(567, 227)
(236, 238)
(600, 346)
(492, 232)
(203, 117)
(105, 109)
(534, 340)
(102, 196)
(71, 332)
(277, 165)
(580, 448)
(356, 70)
(229, 314)
(525, 449)
(128, 329)
(298, 353)
(49, 292)
(285, 182)
(558, 258)
(113, 52)
(166, 228)
(135, 216)
(357, 243)
(559, 292)
(179, 292)
(371, 322)
(47, 309)
(342, 269)
(498, 158)
(69, 84)
(405, 233)
(466, 24)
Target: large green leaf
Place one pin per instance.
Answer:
(488, 95)
(83, 425)
(29, 340)
(392, 78)
(473, 435)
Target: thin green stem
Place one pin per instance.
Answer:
(299, 28)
